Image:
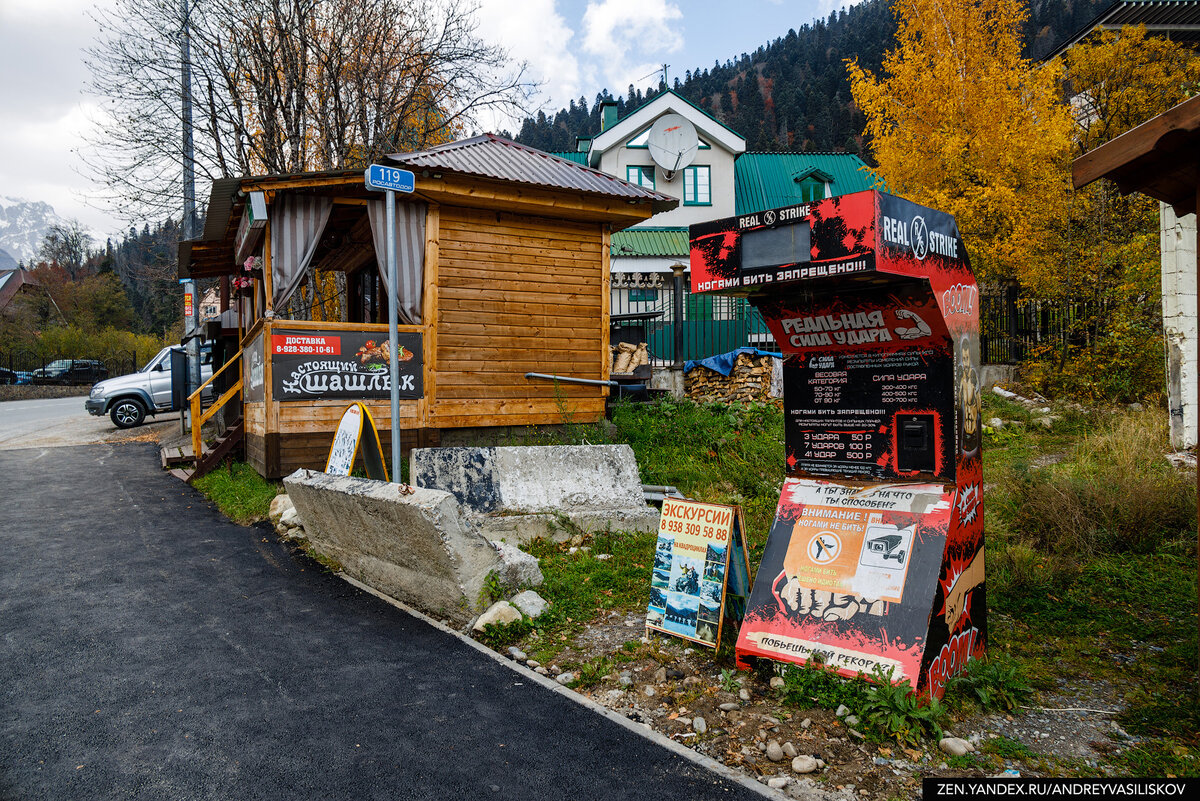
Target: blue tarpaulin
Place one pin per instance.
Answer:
(723, 362)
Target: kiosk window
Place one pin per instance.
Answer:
(772, 247)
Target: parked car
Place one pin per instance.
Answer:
(71, 371)
(128, 399)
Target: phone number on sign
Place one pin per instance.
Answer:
(308, 350)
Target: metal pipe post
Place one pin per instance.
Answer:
(677, 289)
(393, 334)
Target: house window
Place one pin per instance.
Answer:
(643, 295)
(641, 176)
(696, 190)
(811, 190)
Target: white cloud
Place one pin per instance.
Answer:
(613, 28)
(534, 32)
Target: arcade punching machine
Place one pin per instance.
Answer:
(874, 562)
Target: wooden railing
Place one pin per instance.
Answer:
(198, 419)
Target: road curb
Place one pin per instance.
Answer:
(708, 763)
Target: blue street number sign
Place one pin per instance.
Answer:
(391, 179)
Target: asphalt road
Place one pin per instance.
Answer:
(54, 422)
(152, 649)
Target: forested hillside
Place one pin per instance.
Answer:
(792, 94)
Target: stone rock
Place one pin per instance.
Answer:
(517, 654)
(699, 725)
(996, 423)
(955, 746)
(541, 671)
(614, 695)
(1004, 393)
(1044, 422)
(500, 613)
(804, 724)
(775, 751)
(521, 492)
(804, 764)
(412, 544)
(530, 603)
(603, 557)
(691, 681)
(649, 691)
(674, 674)
(729, 707)
(660, 675)
(779, 782)
(565, 677)
(279, 505)
(790, 751)
(851, 720)
(777, 682)
(625, 680)
(517, 568)
(842, 711)
(744, 694)
(533, 663)
(290, 519)
(1136, 407)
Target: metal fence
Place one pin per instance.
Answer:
(22, 363)
(711, 324)
(1011, 326)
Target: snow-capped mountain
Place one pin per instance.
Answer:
(23, 224)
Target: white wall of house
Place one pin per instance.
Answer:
(719, 161)
(1178, 240)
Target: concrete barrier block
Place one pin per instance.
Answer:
(519, 493)
(416, 547)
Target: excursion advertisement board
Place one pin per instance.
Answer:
(875, 558)
(349, 365)
(701, 570)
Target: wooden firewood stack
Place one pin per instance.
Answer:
(750, 381)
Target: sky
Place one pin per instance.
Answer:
(573, 48)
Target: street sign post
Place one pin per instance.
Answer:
(391, 180)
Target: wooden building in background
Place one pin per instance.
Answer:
(504, 270)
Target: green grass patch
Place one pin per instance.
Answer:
(239, 492)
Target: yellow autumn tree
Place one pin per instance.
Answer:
(958, 120)
(1109, 269)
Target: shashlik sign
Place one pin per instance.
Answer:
(351, 365)
(701, 570)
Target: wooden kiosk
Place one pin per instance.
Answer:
(504, 270)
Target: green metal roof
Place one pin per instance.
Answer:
(770, 180)
(572, 155)
(651, 242)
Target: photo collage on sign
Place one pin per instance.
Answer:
(687, 590)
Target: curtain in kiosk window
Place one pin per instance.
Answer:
(296, 226)
(410, 255)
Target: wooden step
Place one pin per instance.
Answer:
(175, 455)
(224, 444)
(181, 474)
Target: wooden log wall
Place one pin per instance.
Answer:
(518, 294)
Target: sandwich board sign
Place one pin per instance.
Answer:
(701, 570)
(356, 421)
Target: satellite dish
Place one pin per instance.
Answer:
(673, 143)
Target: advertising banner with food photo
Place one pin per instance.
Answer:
(701, 570)
(350, 365)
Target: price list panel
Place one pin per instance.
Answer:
(842, 408)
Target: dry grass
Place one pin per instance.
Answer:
(1114, 494)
